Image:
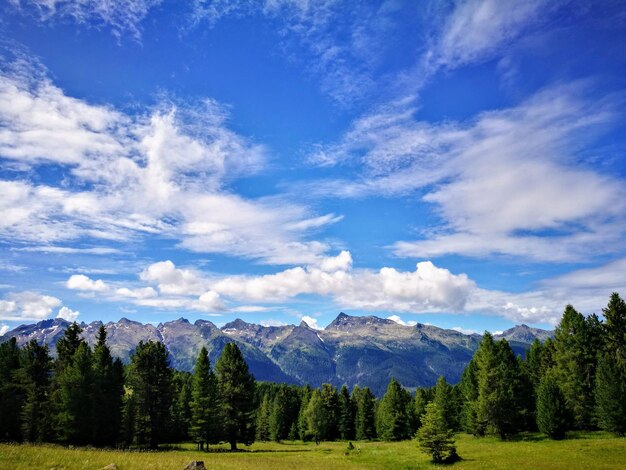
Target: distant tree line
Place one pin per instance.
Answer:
(576, 381)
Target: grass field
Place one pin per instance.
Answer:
(588, 450)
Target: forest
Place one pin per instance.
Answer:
(84, 396)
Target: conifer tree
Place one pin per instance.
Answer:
(11, 394)
(263, 419)
(435, 437)
(182, 407)
(150, 379)
(552, 411)
(68, 345)
(279, 419)
(34, 377)
(576, 348)
(444, 399)
(330, 402)
(615, 330)
(468, 389)
(316, 417)
(236, 392)
(365, 421)
(610, 395)
(204, 407)
(392, 420)
(347, 414)
(75, 382)
(303, 426)
(108, 390)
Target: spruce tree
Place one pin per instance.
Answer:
(11, 394)
(365, 420)
(236, 391)
(34, 378)
(468, 389)
(68, 344)
(330, 402)
(576, 346)
(435, 437)
(108, 390)
(552, 411)
(347, 413)
(150, 379)
(303, 426)
(204, 407)
(392, 420)
(445, 400)
(263, 419)
(316, 417)
(279, 415)
(610, 395)
(75, 382)
(615, 330)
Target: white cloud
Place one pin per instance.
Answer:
(141, 293)
(85, 283)
(399, 320)
(312, 322)
(121, 17)
(272, 322)
(162, 172)
(475, 29)
(507, 182)
(68, 314)
(4, 329)
(97, 250)
(173, 280)
(27, 305)
(465, 331)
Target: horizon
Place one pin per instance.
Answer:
(458, 164)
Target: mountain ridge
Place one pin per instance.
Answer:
(351, 350)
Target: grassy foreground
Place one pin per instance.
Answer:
(585, 450)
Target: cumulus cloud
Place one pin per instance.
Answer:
(173, 280)
(85, 283)
(399, 320)
(161, 171)
(141, 293)
(465, 331)
(68, 314)
(311, 322)
(27, 305)
(4, 329)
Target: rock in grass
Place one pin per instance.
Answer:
(195, 465)
(111, 466)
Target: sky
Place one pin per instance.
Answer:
(457, 163)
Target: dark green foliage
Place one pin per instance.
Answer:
(499, 404)
(108, 390)
(446, 401)
(236, 392)
(150, 379)
(316, 418)
(34, 378)
(435, 436)
(365, 421)
(347, 414)
(303, 425)
(263, 419)
(614, 330)
(468, 390)
(75, 395)
(423, 396)
(204, 407)
(392, 418)
(11, 394)
(552, 411)
(68, 345)
(576, 345)
(330, 403)
(610, 394)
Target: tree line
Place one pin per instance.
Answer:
(575, 381)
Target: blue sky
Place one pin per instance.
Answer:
(454, 163)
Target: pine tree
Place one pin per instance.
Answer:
(468, 389)
(205, 415)
(108, 390)
(347, 413)
(279, 419)
(330, 401)
(610, 395)
(34, 378)
(68, 345)
(303, 426)
(150, 379)
(435, 436)
(263, 419)
(615, 330)
(11, 394)
(182, 407)
(365, 421)
(552, 411)
(236, 388)
(316, 417)
(445, 401)
(392, 420)
(576, 347)
(75, 382)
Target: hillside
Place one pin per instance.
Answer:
(352, 350)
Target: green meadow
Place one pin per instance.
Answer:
(531, 451)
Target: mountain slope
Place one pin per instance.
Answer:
(352, 350)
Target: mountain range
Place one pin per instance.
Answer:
(352, 350)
